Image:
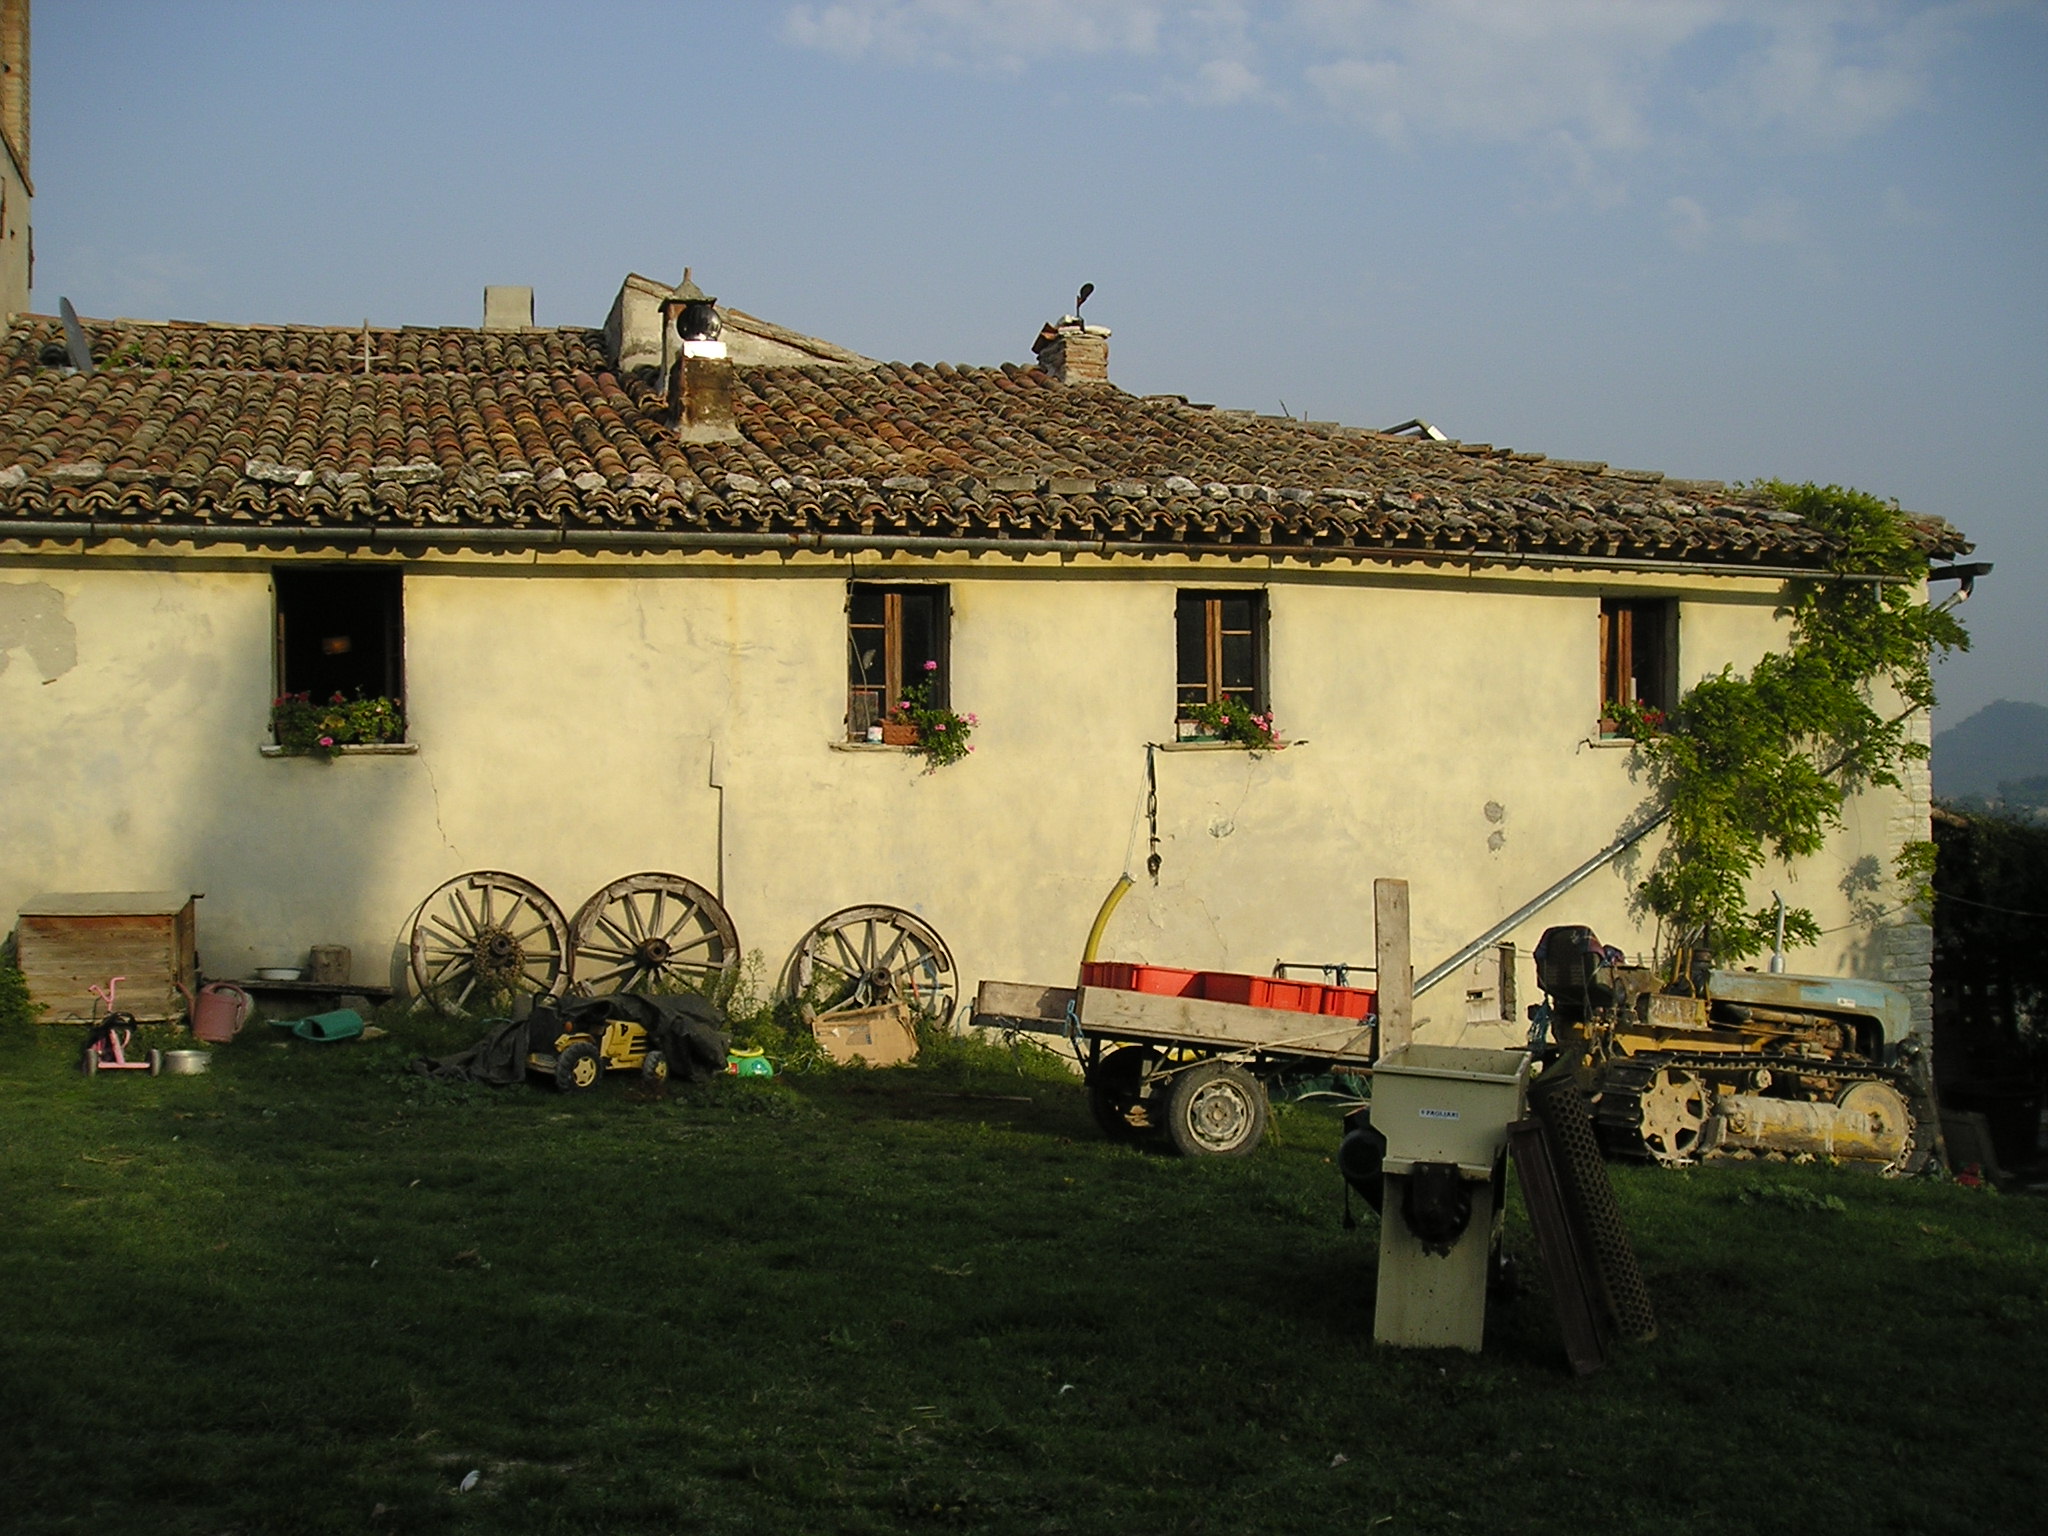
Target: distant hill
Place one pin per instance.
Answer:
(2003, 743)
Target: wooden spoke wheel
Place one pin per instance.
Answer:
(864, 957)
(485, 937)
(652, 933)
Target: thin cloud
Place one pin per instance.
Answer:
(1615, 78)
(1833, 72)
(1007, 35)
(1500, 71)
(1686, 223)
(1773, 221)
(1226, 82)
(1900, 209)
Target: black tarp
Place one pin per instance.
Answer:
(688, 1030)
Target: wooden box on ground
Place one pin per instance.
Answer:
(69, 942)
(875, 1037)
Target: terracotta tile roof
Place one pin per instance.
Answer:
(260, 431)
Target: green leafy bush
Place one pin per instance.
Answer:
(303, 726)
(1232, 722)
(1759, 765)
(941, 733)
(16, 1006)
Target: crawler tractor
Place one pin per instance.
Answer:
(1703, 1061)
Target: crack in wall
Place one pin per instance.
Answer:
(434, 790)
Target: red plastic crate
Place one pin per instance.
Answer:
(1296, 996)
(1350, 1002)
(1166, 981)
(1228, 987)
(1107, 973)
(1262, 991)
(1124, 977)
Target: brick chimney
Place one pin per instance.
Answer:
(700, 382)
(1073, 352)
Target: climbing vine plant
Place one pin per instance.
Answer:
(1758, 766)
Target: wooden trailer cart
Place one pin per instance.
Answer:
(1196, 1069)
(1179, 1052)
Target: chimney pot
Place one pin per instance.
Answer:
(508, 309)
(700, 381)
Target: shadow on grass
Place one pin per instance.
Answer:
(308, 1285)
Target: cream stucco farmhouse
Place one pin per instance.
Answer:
(638, 593)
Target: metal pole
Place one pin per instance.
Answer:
(1523, 913)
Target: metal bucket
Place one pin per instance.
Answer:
(186, 1063)
(218, 1011)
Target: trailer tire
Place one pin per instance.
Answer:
(1117, 1092)
(1216, 1109)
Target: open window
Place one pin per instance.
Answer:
(340, 632)
(895, 640)
(1638, 656)
(1220, 643)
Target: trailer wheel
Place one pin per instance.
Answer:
(578, 1067)
(1216, 1110)
(1117, 1092)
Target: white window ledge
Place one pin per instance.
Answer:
(1611, 743)
(1226, 746)
(866, 746)
(364, 749)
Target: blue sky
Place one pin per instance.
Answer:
(1715, 237)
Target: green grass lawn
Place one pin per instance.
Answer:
(307, 1292)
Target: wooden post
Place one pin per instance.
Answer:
(1396, 975)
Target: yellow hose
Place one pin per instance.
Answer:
(1116, 894)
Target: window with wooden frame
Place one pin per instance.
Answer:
(340, 632)
(1220, 646)
(895, 639)
(1638, 655)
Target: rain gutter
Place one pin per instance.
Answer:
(65, 531)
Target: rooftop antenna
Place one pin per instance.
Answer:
(74, 338)
(1082, 298)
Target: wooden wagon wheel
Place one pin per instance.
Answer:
(485, 936)
(652, 933)
(863, 957)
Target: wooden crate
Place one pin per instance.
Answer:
(70, 941)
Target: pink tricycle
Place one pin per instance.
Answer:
(106, 1047)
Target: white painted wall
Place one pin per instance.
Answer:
(573, 716)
